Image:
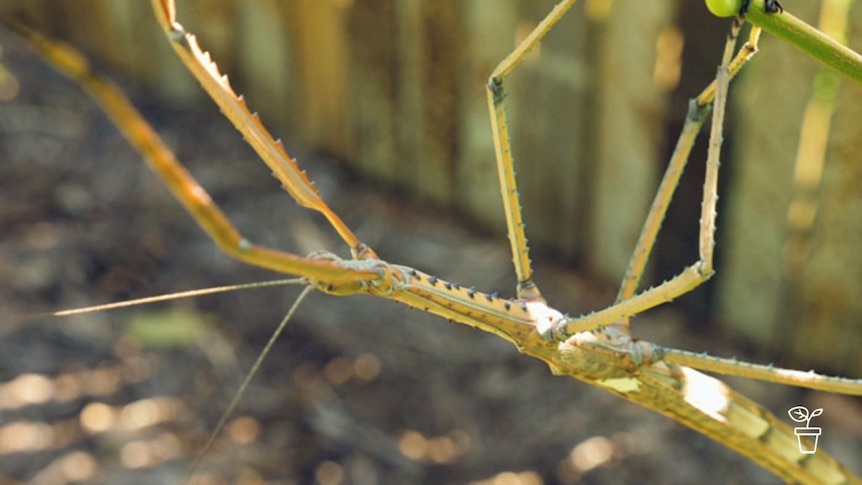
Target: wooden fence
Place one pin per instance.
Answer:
(395, 89)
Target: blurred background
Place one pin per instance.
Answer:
(383, 102)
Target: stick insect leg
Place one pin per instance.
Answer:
(327, 272)
(270, 150)
(526, 288)
(769, 373)
(771, 6)
(698, 109)
(700, 271)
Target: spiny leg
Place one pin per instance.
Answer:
(694, 275)
(769, 373)
(196, 200)
(698, 109)
(526, 288)
(181, 183)
(270, 150)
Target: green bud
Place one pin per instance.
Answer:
(724, 8)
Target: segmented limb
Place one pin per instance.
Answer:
(768, 373)
(270, 150)
(698, 109)
(187, 190)
(696, 274)
(502, 148)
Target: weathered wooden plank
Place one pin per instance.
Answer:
(553, 116)
(265, 58)
(631, 114)
(373, 88)
(489, 35)
(321, 104)
(759, 192)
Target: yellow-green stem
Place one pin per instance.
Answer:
(807, 39)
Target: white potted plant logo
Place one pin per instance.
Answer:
(800, 414)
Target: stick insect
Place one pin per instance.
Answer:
(596, 348)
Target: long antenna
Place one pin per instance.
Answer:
(238, 394)
(165, 297)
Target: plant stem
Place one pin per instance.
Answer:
(807, 39)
